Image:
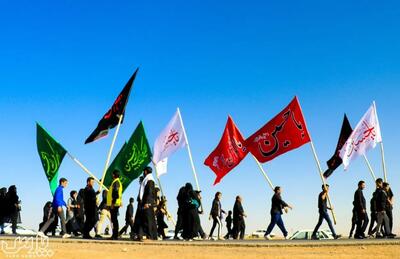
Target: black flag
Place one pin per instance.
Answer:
(111, 118)
(335, 160)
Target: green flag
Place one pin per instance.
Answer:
(130, 161)
(51, 154)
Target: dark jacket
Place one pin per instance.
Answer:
(216, 208)
(238, 212)
(181, 197)
(277, 204)
(89, 200)
(381, 200)
(359, 201)
(149, 194)
(129, 213)
(103, 203)
(372, 203)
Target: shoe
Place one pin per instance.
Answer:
(314, 238)
(41, 234)
(87, 237)
(358, 237)
(337, 236)
(66, 236)
(2, 232)
(268, 237)
(287, 237)
(379, 236)
(391, 235)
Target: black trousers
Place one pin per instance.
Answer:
(371, 229)
(114, 220)
(179, 222)
(230, 231)
(239, 228)
(353, 223)
(128, 223)
(90, 221)
(149, 225)
(362, 224)
(389, 213)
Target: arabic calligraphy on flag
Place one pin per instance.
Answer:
(229, 152)
(170, 139)
(285, 132)
(364, 137)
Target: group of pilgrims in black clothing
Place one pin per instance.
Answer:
(10, 207)
(84, 215)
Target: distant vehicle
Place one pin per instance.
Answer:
(21, 230)
(306, 235)
(260, 233)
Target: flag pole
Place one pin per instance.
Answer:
(158, 178)
(85, 169)
(323, 179)
(264, 173)
(110, 151)
(169, 216)
(383, 162)
(369, 167)
(189, 152)
(381, 144)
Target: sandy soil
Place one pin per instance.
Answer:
(97, 250)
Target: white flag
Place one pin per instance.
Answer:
(364, 137)
(171, 139)
(162, 167)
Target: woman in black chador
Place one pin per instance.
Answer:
(191, 219)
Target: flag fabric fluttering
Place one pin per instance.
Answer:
(335, 161)
(131, 160)
(111, 118)
(51, 154)
(229, 152)
(285, 132)
(365, 136)
(170, 139)
(162, 167)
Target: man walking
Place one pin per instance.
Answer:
(323, 213)
(147, 197)
(89, 200)
(114, 201)
(57, 205)
(276, 213)
(381, 217)
(360, 209)
(129, 217)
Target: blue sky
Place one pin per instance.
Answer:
(63, 63)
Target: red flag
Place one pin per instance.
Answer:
(229, 152)
(285, 132)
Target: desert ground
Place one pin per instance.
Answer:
(79, 249)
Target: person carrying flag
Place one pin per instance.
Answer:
(323, 213)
